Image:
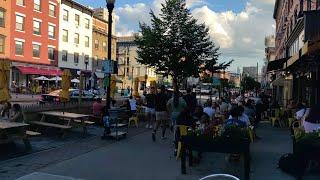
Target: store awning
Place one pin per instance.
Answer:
(39, 71)
(276, 64)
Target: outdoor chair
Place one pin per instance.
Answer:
(276, 117)
(134, 119)
(220, 177)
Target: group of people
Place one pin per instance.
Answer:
(11, 113)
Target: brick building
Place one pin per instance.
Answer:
(33, 39)
(5, 23)
(297, 50)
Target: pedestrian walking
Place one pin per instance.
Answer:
(191, 100)
(150, 103)
(175, 106)
(161, 112)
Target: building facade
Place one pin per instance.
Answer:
(5, 24)
(99, 42)
(75, 37)
(297, 49)
(128, 67)
(33, 41)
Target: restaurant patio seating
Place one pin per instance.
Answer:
(134, 119)
(276, 117)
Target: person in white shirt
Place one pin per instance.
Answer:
(311, 121)
(133, 105)
(209, 110)
(302, 112)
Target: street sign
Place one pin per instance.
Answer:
(216, 81)
(107, 66)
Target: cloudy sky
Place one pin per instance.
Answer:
(237, 26)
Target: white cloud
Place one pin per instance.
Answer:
(239, 34)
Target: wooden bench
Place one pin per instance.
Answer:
(59, 126)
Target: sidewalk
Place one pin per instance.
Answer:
(140, 158)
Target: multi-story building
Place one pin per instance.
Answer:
(75, 40)
(297, 48)
(5, 24)
(128, 67)
(269, 43)
(250, 71)
(103, 13)
(99, 41)
(33, 40)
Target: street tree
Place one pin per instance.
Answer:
(175, 43)
(249, 84)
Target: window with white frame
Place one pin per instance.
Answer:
(86, 43)
(51, 31)
(37, 5)
(65, 35)
(20, 2)
(52, 10)
(20, 22)
(76, 38)
(65, 15)
(77, 19)
(36, 50)
(2, 44)
(2, 17)
(87, 23)
(51, 53)
(76, 58)
(19, 48)
(36, 27)
(64, 55)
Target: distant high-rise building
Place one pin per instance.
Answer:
(251, 71)
(104, 14)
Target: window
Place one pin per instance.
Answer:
(19, 23)
(77, 19)
(76, 58)
(308, 5)
(64, 55)
(76, 38)
(96, 44)
(36, 27)
(65, 35)
(19, 48)
(20, 2)
(37, 5)
(2, 44)
(51, 31)
(2, 17)
(65, 15)
(36, 50)
(51, 53)
(104, 44)
(87, 23)
(52, 10)
(87, 41)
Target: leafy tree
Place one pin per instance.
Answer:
(249, 84)
(175, 43)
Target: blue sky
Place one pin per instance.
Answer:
(238, 27)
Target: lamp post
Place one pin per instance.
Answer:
(86, 61)
(110, 7)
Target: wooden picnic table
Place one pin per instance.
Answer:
(68, 118)
(208, 144)
(10, 131)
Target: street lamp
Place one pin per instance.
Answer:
(86, 61)
(110, 7)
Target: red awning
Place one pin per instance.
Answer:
(39, 71)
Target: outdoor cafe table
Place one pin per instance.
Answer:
(66, 116)
(208, 144)
(10, 131)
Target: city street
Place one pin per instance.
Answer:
(137, 157)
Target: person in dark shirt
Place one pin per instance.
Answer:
(234, 119)
(150, 107)
(161, 112)
(191, 100)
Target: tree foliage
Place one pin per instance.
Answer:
(175, 43)
(249, 84)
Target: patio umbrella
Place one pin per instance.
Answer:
(65, 85)
(55, 79)
(41, 78)
(75, 81)
(4, 87)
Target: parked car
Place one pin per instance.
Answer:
(74, 96)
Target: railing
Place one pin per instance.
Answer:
(54, 106)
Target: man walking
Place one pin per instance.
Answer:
(161, 112)
(150, 104)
